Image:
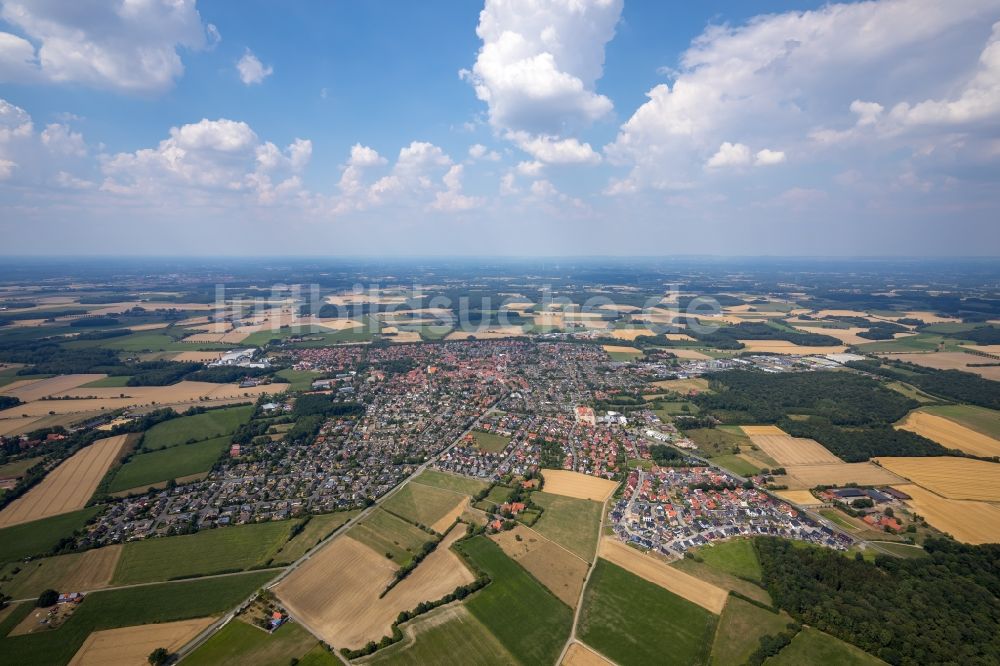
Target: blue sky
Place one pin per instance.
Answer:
(510, 127)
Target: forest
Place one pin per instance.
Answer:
(940, 609)
(951, 384)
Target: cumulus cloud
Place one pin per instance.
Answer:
(553, 150)
(478, 151)
(129, 46)
(728, 155)
(451, 199)
(251, 70)
(767, 157)
(814, 78)
(59, 138)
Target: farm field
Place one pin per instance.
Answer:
(344, 609)
(786, 347)
(128, 646)
(426, 505)
(39, 536)
(572, 523)
(966, 520)
(318, 528)
(788, 450)
(695, 590)
(574, 484)
(954, 478)
(633, 621)
(68, 487)
(734, 556)
(579, 654)
(630, 334)
(527, 619)
(952, 360)
(438, 636)
(980, 419)
(740, 628)
(298, 380)
(716, 441)
(241, 644)
(803, 477)
(112, 609)
(950, 434)
(30, 390)
(460, 484)
(683, 386)
(181, 394)
(487, 441)
(146, 469)
(811, 646)
(15, 470)
(800, 497)
(74, 572)
(736, 464)
(556, 568)
(387, 534)
(622, 353)
(722, 580)
(205, 552)
(208, 425)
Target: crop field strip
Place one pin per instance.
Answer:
(73, 572)
(950, 434)
(128, 646)
(575, 484)
(952, 478)
(558, 569)
(969, 521)
(426, 505)
(68, 487)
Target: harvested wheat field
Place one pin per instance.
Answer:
(693, 589)
(621, 349)
(966, 520)
(788, 450)
(800, 497)
(94, 399)
(406, 336)
(802, 477)
(950, 434)
(335, 593)
(751, 430)
(486, 333)
(954, 478)
(556, 568)
(445, 521)
(579, 654)
(786, 347)
(31, 390)
(130, 646)
(68, 487)
(849, 336)
(13, 424)
(951, 361)
(695, 384)
(574, 484)
(843, 313)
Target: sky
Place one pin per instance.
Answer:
(510, 127)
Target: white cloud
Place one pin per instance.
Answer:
(728, 155)
(59, 138)
(452, 199)
(14, 122)
(553, 150)
(130, 46)
(69, 181)
(529, 169)
(7, 168)
(478, 151)
(252, 71)
(539, 62)
(767, 157)
(797, 79)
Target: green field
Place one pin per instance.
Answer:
(980, 419)
(430, 639)
(716, 441)
(145, 469)
(461, 484)
(900, 549)
(811, 646)
(388, 534)
(624, 356)
(18, 468)
(239, 644)
(498, 494)
(736, 557)
(911, 392)
(723, 580)
(299, 380)
(128, 607)
(487, 441)
(319, 656)
(740, 628)
(421, 504)
(526, 618)
(665, 410)
(572, 523)
(205, 552)
(39, 536)
(633, 621)
(197, 427)
(150, 341)
(318, 528)
(921, 342)
(736, 465)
